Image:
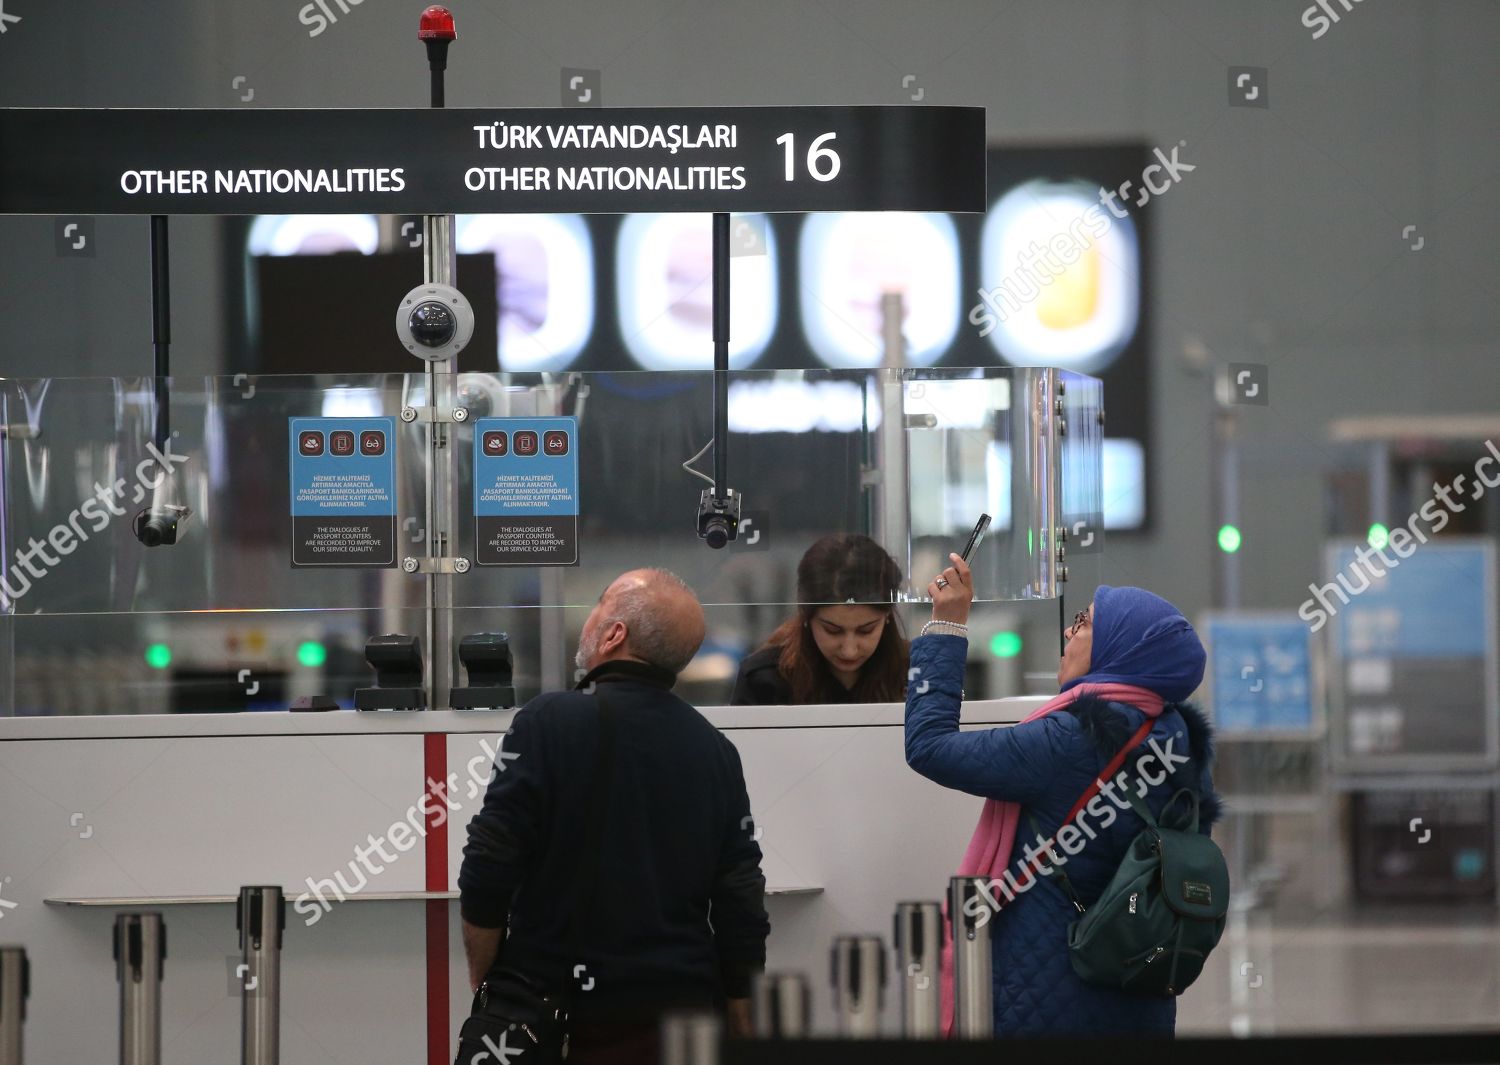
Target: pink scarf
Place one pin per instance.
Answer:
(995, 835)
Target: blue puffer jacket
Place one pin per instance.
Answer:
(1046, 766)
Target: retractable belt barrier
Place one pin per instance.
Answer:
(140, 945)
(260, 917)
(859, 976)
(15, 988)
(973, 988)
(919, 951)
(781, 1004)
(690, 1039)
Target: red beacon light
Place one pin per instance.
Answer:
(437, 24)
(437, 33)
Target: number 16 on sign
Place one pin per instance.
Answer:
(822, 163)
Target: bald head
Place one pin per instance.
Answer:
(646, 614)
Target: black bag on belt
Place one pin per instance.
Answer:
(514, 1017)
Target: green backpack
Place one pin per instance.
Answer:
(1162, 912)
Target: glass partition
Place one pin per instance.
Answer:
(81, 472)
(1080, 436)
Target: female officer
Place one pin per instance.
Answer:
(844, 643)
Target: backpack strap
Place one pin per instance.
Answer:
(1145, 815)
(1088, 796)
(1056, 866)
(1141, 810)
(1110, 770)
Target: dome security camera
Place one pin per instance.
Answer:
(434, 322)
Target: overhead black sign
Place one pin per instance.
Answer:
(58, 161)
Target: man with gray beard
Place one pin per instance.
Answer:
(674, 917)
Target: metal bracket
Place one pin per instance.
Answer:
(412, 564)
(432, 414)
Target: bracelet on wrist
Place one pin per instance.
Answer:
(954, 628)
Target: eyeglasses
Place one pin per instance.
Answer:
(1080, 619)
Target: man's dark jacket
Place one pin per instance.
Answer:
(677, 916)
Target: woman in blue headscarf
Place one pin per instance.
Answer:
(1130, 661)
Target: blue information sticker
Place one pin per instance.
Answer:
(526, 491)
(1433, 604)
(343, 491)
(1262, 673)
(1413, 636)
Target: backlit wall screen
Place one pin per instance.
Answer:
(849, 262)
(665, 293)
(1060, 278)
(544, 285)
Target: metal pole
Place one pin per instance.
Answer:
(161, 326)
(919, 950)
(782, 1006)
(721, 354)
(859, 975)
(1229, 505)
(1049, 427)
(892, 530)
(971, 913)
(1224, 462)
(690, 1039)
(15, 989)
(140, 945)
(7, 623)
(440, 262)
(555, 664)
(1380, 485)
(260, 917)
(440, 267)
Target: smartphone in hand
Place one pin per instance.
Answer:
(980, 528)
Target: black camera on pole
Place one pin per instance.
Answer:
(718, 519)
(157, 526)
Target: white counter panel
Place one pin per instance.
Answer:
(186, 806)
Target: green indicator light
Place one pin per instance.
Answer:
(158, 656)
(1379, 536)
(1229, 539)
(1005, 644)
(312, 654)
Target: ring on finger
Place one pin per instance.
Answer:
(941, 582)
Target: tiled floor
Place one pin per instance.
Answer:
(1391, 969)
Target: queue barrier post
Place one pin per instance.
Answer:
(140, 949)
(260, 917)
(970, 914)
